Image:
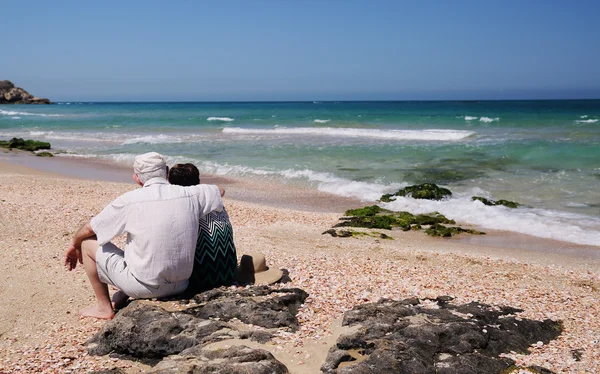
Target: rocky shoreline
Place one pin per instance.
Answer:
(11, 94)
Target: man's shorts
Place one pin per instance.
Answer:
(113, 270)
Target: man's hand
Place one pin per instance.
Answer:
(72, 256)
(73, 253)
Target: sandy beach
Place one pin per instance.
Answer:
(40, 211)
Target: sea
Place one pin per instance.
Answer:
(544, 155)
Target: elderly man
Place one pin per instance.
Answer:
(161, 222)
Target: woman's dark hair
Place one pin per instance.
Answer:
(184, 175)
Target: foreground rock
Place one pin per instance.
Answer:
(10, 94)
(150, 330)
(238, 359)
(408, 337)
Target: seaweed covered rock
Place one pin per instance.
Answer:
(25, 145)
(375, 217)
(408, 336)
(506, 203)
(10, 94)
(429, 191)
(446, 232)
(44, 154)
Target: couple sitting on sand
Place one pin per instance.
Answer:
(178, 238)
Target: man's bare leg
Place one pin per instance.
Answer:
(103, 308)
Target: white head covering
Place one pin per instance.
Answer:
(149, 162)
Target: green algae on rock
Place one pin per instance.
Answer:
(44, 154)
(446, 232)
(375, 217)
(25, 145)
(429, 191)
(506, 203)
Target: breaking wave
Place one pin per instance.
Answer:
(14, 113)
(442, 135)
(221, 119)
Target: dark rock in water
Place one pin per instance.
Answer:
(429, 191)
(446, 232)
(506, 203)
(25, 145)
(9, 94)
(149, 331)
(237, 359)
(406, 337)
(44, 154)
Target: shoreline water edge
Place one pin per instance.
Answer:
(541, 154)
(293, 197)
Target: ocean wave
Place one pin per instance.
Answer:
(442, 135)
(470, 118)
(221, 119)
(87, 137)
(322, 120)
(551, 224)
(153, 139)
(587, 121)
(564, 226)
(324, 181)
(14, 113)
(488, 119)
(15, 117)
(586, 116)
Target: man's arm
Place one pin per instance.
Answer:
(221, 190)
(73, 253)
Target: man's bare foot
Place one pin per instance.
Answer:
(95, 311)
(119, 300)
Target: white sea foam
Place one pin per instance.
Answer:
(470, 118)
(14, 113)
(221, 119)
(322, 120)
(575, 228)
(78, 136)
(587, 121)
(15, 117)
(442, 135)
(488, 119)
(153, 139)
(570, 227)
(586, 116)
(326, 182)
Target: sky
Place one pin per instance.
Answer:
(282, 50)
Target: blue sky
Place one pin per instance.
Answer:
(302, 50)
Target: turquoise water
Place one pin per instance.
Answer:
(544, 154)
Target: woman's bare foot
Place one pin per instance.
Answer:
(95, 311)
(119, 300)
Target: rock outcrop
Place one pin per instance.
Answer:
(409, 337)
(10, 94)
(149, 331)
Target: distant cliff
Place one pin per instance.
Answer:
(9, 94)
